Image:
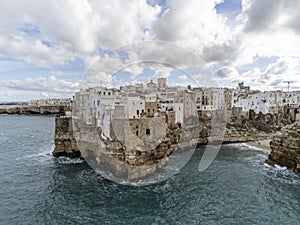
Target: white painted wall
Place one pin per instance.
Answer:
(135, 104)
(150, 98)
(177, 107)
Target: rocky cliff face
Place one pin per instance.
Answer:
(65, 143)
(243, 128)
(285, 147)
(238, 129)
(140, 157)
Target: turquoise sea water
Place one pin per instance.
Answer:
(35, 188)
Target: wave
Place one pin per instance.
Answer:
(257, 148)
(246, 147)
(280, 167)
(241, 146)
(40, 156)
(258, 160)
(66, 160)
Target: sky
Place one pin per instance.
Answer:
(50, 48)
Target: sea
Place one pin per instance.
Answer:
(237, 188)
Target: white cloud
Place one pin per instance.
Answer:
(228, 73)
(268, 28)
(35, 52)
(270, 15)
(76, 27)
(53, 33)
(265, 29)
(163, 72)
(40, 87)
(50, 85)
(83, 27)
(193, 23)
(273, 77)
(182, 77)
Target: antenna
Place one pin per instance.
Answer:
(288, 82)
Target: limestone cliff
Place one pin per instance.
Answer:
(241, 128)
(238, 129)
(65, 143)
(285, 147)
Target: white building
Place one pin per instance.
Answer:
(218, 99)
(261, 102)
(291, 99)
(177, 107)
(203, 99)
(135, 107)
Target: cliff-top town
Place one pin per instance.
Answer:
(154, 99)
(143, 125)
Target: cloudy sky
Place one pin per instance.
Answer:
(47, 47)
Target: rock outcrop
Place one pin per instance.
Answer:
(121, 158)
(141, 157)
(65, 143)
(285, 147)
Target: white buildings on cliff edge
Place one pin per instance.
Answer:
(175, 103)
(260, 102)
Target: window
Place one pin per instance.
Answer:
(148, 110)
(137, 112)
(137, 133)
(148, 131)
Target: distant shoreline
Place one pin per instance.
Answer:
(13, 103)
(32, 110)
